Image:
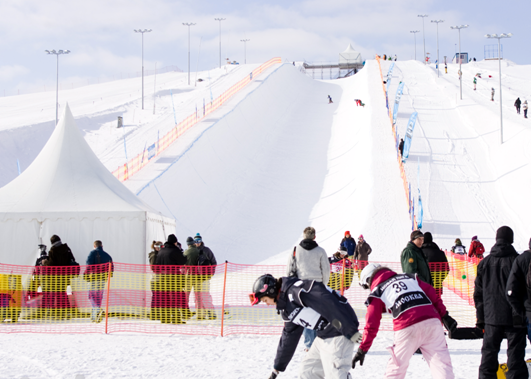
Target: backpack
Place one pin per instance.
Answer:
(480, 249)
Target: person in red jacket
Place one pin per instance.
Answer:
(476, 249)
(417, 313)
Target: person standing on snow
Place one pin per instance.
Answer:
(207, 272)
(437, 262)
(310, 263)
(517, 104)
(476, 248)
(525, 107)
(492, 94)
(401, 147)
(361, 256)
(309, 304)
(417, 314)
(348, 243)
(395, 58)
(413, 259)
(494, 313)
(338, 261)
(458, 248)
(518, 291)
(97, 273)
(475, 82)
(330, 99)
(446, 68)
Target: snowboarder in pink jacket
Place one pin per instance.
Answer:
(417, 314)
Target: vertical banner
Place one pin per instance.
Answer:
(420, 211)
(18, 166)
(397, 101)
(389, 75)
(173, 105)
(409, 135)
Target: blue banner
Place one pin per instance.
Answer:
(420, 214)
(389, 74)
(409, 135)
(151, 151)
(397, 101)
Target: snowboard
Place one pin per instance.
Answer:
(502, 369)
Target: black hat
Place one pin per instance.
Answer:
(416, 234)
(190, 241)
(55, 238)
(505, 234)
(172, 238)
(428, 238)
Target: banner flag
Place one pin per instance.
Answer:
(397, 101)
(409, 135)
(389, 75)
(420, 211)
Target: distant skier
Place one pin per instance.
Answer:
(359, 103)
(524, 107)
(475, 82)
(395, 58)
(517, 104)
(492, 94)
(445, 68)
(458, 248)
(330, 99)
(401, 146)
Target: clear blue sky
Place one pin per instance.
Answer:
(100, 33)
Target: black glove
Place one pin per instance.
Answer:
(449, 323)
(519, 321)
(359, 357)
(274, 375)
(480, 324)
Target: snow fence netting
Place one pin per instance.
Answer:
(195, 300)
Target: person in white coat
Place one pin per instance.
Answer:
(309, 262)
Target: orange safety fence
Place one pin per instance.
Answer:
(202, 300)
(137, 163)
(399, 158)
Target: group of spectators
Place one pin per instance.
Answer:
(476, 249)
(177, 274)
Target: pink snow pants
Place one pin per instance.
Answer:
(429, 336)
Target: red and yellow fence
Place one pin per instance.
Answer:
(180, 299)
(135, 164)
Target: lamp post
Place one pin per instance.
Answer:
(57, 53)
(499, 37)
(188, 24)
(460, 72)
(220, 19)
(142, 31)
(245, 49)
(438, 62)
(423, 38)
(415, 35)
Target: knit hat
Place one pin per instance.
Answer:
(475, 238)
(190, 241)
(55, 238)
(505, 234)
(360, 237)
(198, 238)
(172, 238)
(416, 234)
(428, 238)
(347, 233)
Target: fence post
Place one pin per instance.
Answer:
(223, 299)
(107, 297)
(343, 277)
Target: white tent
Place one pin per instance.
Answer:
(350, 58)
(67, 191)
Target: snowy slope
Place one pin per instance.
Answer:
(470, 183)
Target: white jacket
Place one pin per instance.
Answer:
(311, 264)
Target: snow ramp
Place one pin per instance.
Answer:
(283, 159)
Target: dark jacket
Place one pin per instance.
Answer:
(517, 103)
(363, 249)
(349, 244)
(493, 271)
(60, 255)
(401, 147)
(97, 263)
(414, 262)
(210, 270)
(517, 289)
(315, 295)
(437, 262)
(169, 255)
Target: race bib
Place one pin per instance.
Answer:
(459, 250)
(308, 318)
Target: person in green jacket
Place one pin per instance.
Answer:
(413, 259)
(193, 279)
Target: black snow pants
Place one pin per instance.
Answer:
(492, 340)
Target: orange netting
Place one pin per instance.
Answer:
(210, 300)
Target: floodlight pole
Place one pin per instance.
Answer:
(142, 31)
(189, 24)
(460, 72)
(438, 61)
(499, 37)
(57, 53)
(220, 19)
(245, 49)
(415, 35)
(423, 37)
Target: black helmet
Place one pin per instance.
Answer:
(265, 285)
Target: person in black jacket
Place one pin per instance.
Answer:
(310, 304)
(494, 313)
(170, 300)
(517, 104)
(401, 146)
(437, 261)
(517, 295)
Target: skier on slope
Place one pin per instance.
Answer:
(475, 82)
(517, 104)
(310, 304)
(417, 312)
(492, 94)
(525, 107)
(330, 99)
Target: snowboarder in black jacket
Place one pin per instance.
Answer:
(517, 295)
(494, 313)
(310, 304)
